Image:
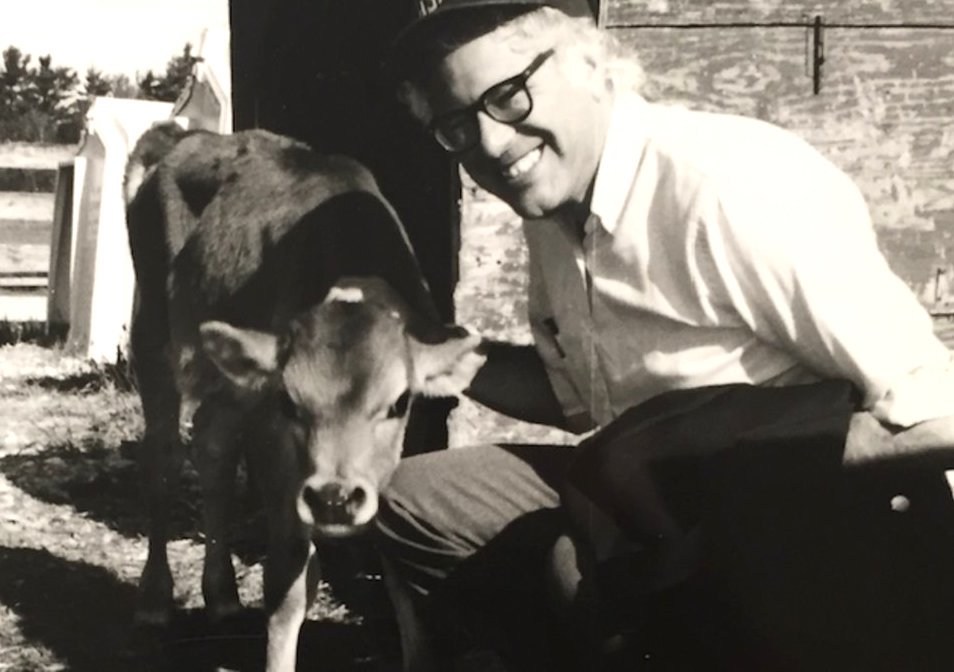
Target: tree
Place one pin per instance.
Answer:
(122, 87)
(52, 96)
(38, 103)
(12, 82)
(176, 78)
(52, 88)
(96, 84)
(45, 103)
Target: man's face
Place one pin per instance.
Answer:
(545, 161)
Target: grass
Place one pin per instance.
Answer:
(72, 519)
(37, 332)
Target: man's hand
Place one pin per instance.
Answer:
(869, 440)
(514, 381)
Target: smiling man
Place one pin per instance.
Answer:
(699, 284)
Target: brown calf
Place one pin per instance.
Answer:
(278, 292)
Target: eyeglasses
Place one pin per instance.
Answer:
(508, 102)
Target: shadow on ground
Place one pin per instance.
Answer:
(81, 613)
(105, 485)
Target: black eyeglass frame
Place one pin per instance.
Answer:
(518, 84)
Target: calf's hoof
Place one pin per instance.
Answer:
(154, 611)
(155, 603)
(221, 595)
(218, 611)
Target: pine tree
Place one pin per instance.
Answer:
(176, 78)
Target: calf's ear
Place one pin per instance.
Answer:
(246, 357)
(446, 369)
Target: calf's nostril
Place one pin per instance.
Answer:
(338, 503)
(329, 496)
(357, 498)
(311, 498)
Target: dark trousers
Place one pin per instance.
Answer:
(744, 544)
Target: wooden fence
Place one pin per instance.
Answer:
(25, 230)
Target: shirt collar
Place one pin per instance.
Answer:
(622, 152)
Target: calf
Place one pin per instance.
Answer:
(277, 292)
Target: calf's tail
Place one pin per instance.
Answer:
(150, 149)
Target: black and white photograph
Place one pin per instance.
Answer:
(477, 336)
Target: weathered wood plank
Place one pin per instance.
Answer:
(21, 283)
(884, 113)
(25, 231)
(865, 12)
(34, 156)
(24, 259)
(26, 205)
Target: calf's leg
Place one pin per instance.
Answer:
(216, 443)
(160, 461)
(291, 564)
(291, 577)
(160, 457)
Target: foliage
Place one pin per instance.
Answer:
(40, 102)
(176, 78)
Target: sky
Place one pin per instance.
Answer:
(114, 36)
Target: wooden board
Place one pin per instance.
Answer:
(864, 12)
(26, 205)
(24, 259)
(25, 231)
(883, 114)
(28, 155)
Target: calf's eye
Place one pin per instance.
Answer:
(399, 408)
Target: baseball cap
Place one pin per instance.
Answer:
(570, 7)
(466, 19)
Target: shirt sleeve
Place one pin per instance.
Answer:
(805, 273)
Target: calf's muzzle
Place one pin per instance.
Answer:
(339, 508)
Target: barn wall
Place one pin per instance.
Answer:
(883, 113)
(866, 12)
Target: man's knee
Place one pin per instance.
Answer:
(416, 525)
(419, 499)
(441, 509)
(473, 493)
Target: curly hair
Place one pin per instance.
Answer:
(521, 29)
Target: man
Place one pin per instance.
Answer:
(706, 292)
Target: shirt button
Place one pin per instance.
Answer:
(900, 503)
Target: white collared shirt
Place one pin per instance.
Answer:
(722, 249)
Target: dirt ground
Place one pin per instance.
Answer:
(72, 546)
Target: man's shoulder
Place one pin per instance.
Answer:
(737, 159)
(718, 143)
